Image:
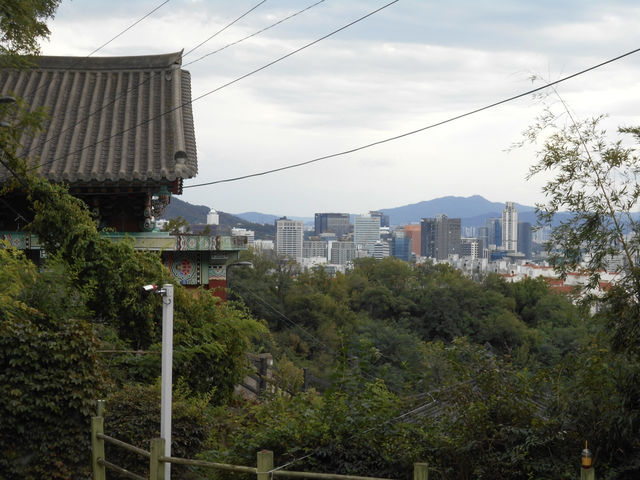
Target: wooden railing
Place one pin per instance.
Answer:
(263, 470)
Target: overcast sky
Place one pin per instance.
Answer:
(414, 63)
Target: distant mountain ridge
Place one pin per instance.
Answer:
(473, 211)
(266, 219)
(197, 214)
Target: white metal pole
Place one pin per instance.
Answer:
(167, 367)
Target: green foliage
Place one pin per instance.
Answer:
(391, 307)
(597, 399)
(133, 416)
(488, 419)
(211, 340)
(17, 274)
(109, 272)
(177, 225)
(595, 179)
(49, 376)
(22, 25)
(349, 434)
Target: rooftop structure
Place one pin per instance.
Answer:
(120, 134)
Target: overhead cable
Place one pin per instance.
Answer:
(129, 27)
(224, 28)
(413, 132)
(149, 120)
(253, 34)
(94, 51)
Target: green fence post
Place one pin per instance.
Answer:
(100, 408)
(156, 467)
(587, 474)
(265, 464)
(420, 471)
(97, 448)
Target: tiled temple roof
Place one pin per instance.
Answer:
(112, 119)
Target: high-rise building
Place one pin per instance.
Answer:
(413, 232)
(314, 248)
(525, 239)
(366, 231)
(483, 241)
(510, 227)
(342, 252)
(494, 232)
(381, 249)
(401, 245)
(384, 219)
(469, 247)
(337, 223)
(440, 237)
(213, 218)
(289, 238)
(428, 238)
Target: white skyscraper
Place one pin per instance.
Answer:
(510, 227)
(213, 218)
(289, 238)
(366, 231)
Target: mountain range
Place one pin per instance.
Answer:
(473, 211)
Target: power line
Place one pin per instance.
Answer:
(94, 51)
(108, 42)
(288, 320)
(414, 411)
(253, 34)
(310, 335)
(218, 88)
(224, 28)
(129, 27)
(413, 132)
(134, 87)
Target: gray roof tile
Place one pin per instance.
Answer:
(112, 119)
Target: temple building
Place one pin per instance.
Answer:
(121, 135)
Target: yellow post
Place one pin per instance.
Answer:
(265, 464)
(97, 448)
(156, 467)
(420, 471)
(586, 463)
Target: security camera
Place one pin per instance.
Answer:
(149, 288)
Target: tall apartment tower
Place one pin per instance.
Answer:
(366, 231)
(494, 232)
(483, 241)
(440, 237)
(525, 239)
(337, 223)
(289, 238)
(510, 227)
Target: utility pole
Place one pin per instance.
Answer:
(167, 372)
(166, 292)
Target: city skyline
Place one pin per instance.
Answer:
(408, 66)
